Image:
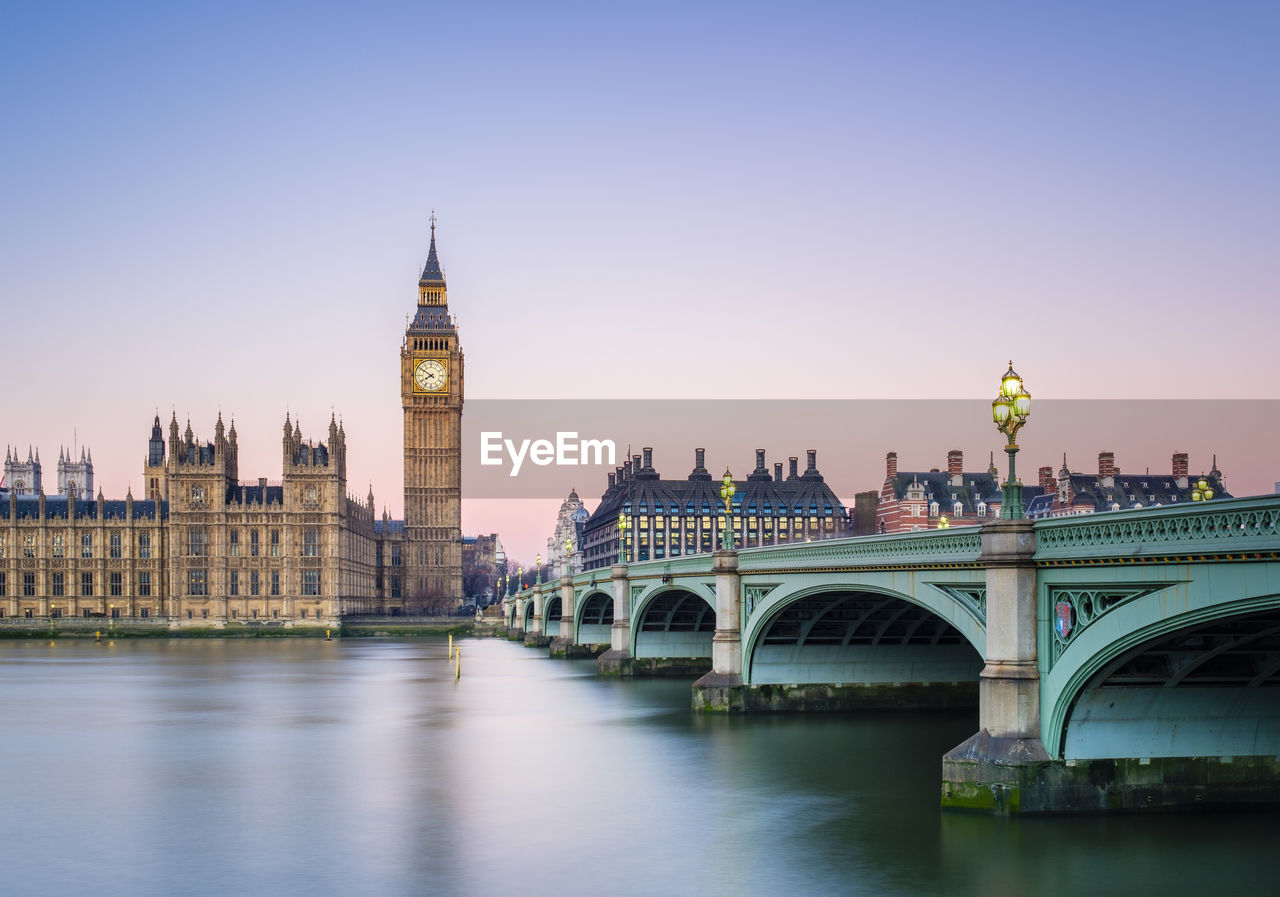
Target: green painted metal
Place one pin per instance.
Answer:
(1125, 577)
(929, 588)
(1232, 526)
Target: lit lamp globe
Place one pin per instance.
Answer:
(1010, 409)
(1202, 491)
(727, 490)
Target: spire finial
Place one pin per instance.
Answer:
(433, 224)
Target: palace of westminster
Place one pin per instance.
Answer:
(204, 547)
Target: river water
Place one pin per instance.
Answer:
(361, 767)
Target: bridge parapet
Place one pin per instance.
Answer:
(928, 547)
(1225, 527)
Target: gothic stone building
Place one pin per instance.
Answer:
(205, 547)
(202, 546)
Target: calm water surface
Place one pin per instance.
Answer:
(362, 767)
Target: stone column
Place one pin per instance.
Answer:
(996, 770)
(1009, 689)
(533, 635)
(617, 660)
(721, 689)
(562, 645)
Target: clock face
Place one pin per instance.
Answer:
(430, 375)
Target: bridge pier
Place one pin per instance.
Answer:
(533, 636)
(617, 661)
(566, 644)
(721, 690)
(998, 768)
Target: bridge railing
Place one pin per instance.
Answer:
(1224, 526)
(938, 546)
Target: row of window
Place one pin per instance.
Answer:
(58, 546)
(198, 582)
(58, 585)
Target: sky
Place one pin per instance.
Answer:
(224, 207)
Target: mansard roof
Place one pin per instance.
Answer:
(648, 493)
(1128, 490)
(974, 488)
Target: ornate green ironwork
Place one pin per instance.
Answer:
(1234, 525)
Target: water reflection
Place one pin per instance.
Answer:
(362, 767)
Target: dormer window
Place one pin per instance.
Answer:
(982, 509)
(933, 509)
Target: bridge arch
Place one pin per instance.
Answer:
(528, 613)
(858, 634)
(594, 618)
(551, 615)
(673, 621)
(1205, 682)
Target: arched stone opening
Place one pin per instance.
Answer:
(1210, 689)
(675, 623)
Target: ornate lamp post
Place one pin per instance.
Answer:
(519, 579)
(568, 555)
(1010, 410)
(622, 537)
(727, 489)
(538, 561)
(943, 522)
(1201, 491)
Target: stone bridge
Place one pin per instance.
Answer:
(1121, 660)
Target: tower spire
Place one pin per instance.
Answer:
(431, 273)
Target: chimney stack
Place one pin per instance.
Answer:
(955, 463)
(760, 459)
(813, 461)
(613, 480)
(1048, 482)
(891, 465)
(777, 471)
(648, 458)
(699, 458)
(795, 464)
(1106, 464)
(1181, 464)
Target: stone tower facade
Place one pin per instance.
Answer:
(431, 392)
(23, 477)
(75, 478)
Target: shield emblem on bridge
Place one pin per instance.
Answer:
(1065, 615)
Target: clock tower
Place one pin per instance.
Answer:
(431, 394)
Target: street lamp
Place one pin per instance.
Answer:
(568, 555)
(1010, 410)
(538, 561)
(622, 538)
(727, 489)
(1202, 491)
(943, 522)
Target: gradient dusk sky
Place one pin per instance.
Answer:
(225, 206)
